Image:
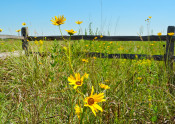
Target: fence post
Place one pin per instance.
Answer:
(169, 55)
(24, 33)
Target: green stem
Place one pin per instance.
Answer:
(61, 33)
(70, 63)
(84, 109)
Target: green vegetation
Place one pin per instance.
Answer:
(35, 89)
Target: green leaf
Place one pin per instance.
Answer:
(154, 118)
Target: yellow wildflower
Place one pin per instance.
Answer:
(101, 36)
(110, 42)
(1, 30)
(108, 46)
(36, 42)
(94, 57)
(121, 48)
(40, 63)
(95, 38)
(77, 81)
(171, 33)
(151, 44)
(41, 42)
(2, 43)
(50, 80)
(139, 78)
(71, 32)
(18, 30)
(104, 86)
(106, 80)
(86, 45)
(84, 60)
(65, 48)
(92, 101)
(150, 17)
(58, 20)
(77, 110)
(78, 22)
(159, 34)
(23, 23)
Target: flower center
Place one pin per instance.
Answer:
(90, 101)
(78, 83)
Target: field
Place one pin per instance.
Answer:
(36, 89)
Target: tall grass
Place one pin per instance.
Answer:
(35, 89)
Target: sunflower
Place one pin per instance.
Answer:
(1, 30)
(159, 34)
(84, 60)
(104, 86)
(92, 101)
(77, 81)
(78, 110)
(171, 33)
(23, 23)
(58, 20)
(18, 30)
(71, 32)
(79, 22)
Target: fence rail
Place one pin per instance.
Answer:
(11, 37)
(168, 57)
(104, 38)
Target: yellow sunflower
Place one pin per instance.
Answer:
(71, 32)
(95, 38)
(171, 33)
(77, 110)
(104, 86)
(79, 22)
(159, 34)
(77, 81)
(18, 30)
(1, 30)
(23, 23)
(84, 60)
(92, 101)
(58, 20)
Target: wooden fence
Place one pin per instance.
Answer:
(168, 57)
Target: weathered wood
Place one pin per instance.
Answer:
(169, 48)
(11, 37)
(168, 58)
(124, 56)
(24, 33)
(104, 38)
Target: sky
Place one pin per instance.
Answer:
(107, 17)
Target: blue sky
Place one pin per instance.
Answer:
(119, 17)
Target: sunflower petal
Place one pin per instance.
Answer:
(75, 87)
(71, 79)
(93, 110)
(92, 91)
(98, 107)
